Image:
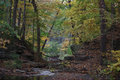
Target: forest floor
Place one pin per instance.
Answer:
(83, 67)
(85, 64)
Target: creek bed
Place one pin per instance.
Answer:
(36, 74)
(22, 78)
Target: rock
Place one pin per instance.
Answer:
(47, 73)
(42, 72)
(54, 59)
(83, 58)
(69, 58)
(34, 64)
(21, 71)
(75, 48)
(36, 70)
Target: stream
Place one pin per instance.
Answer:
(21, 78)
(36, 74)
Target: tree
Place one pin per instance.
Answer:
(103, 25)
(15, 14)
(33, 29)
(50, 31)
(38, 31)
(24, 21)
(19, 20)
(51, 28)
(102, 29)
(10, 12)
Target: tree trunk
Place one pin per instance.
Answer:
(103, 29)
(15, 14)
(10, 12)
(113, 23)
(24, 21)
(102, 26)
(49, 32)
(38, 36)
(33, 34)
(36, 55)
(19, 20)
(112, 10)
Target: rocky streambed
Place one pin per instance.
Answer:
(25, 74)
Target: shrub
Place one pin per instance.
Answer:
(14, 63)
(113, 69)
(6, 31)
(53, 49)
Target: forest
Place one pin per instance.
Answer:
(59, 39)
